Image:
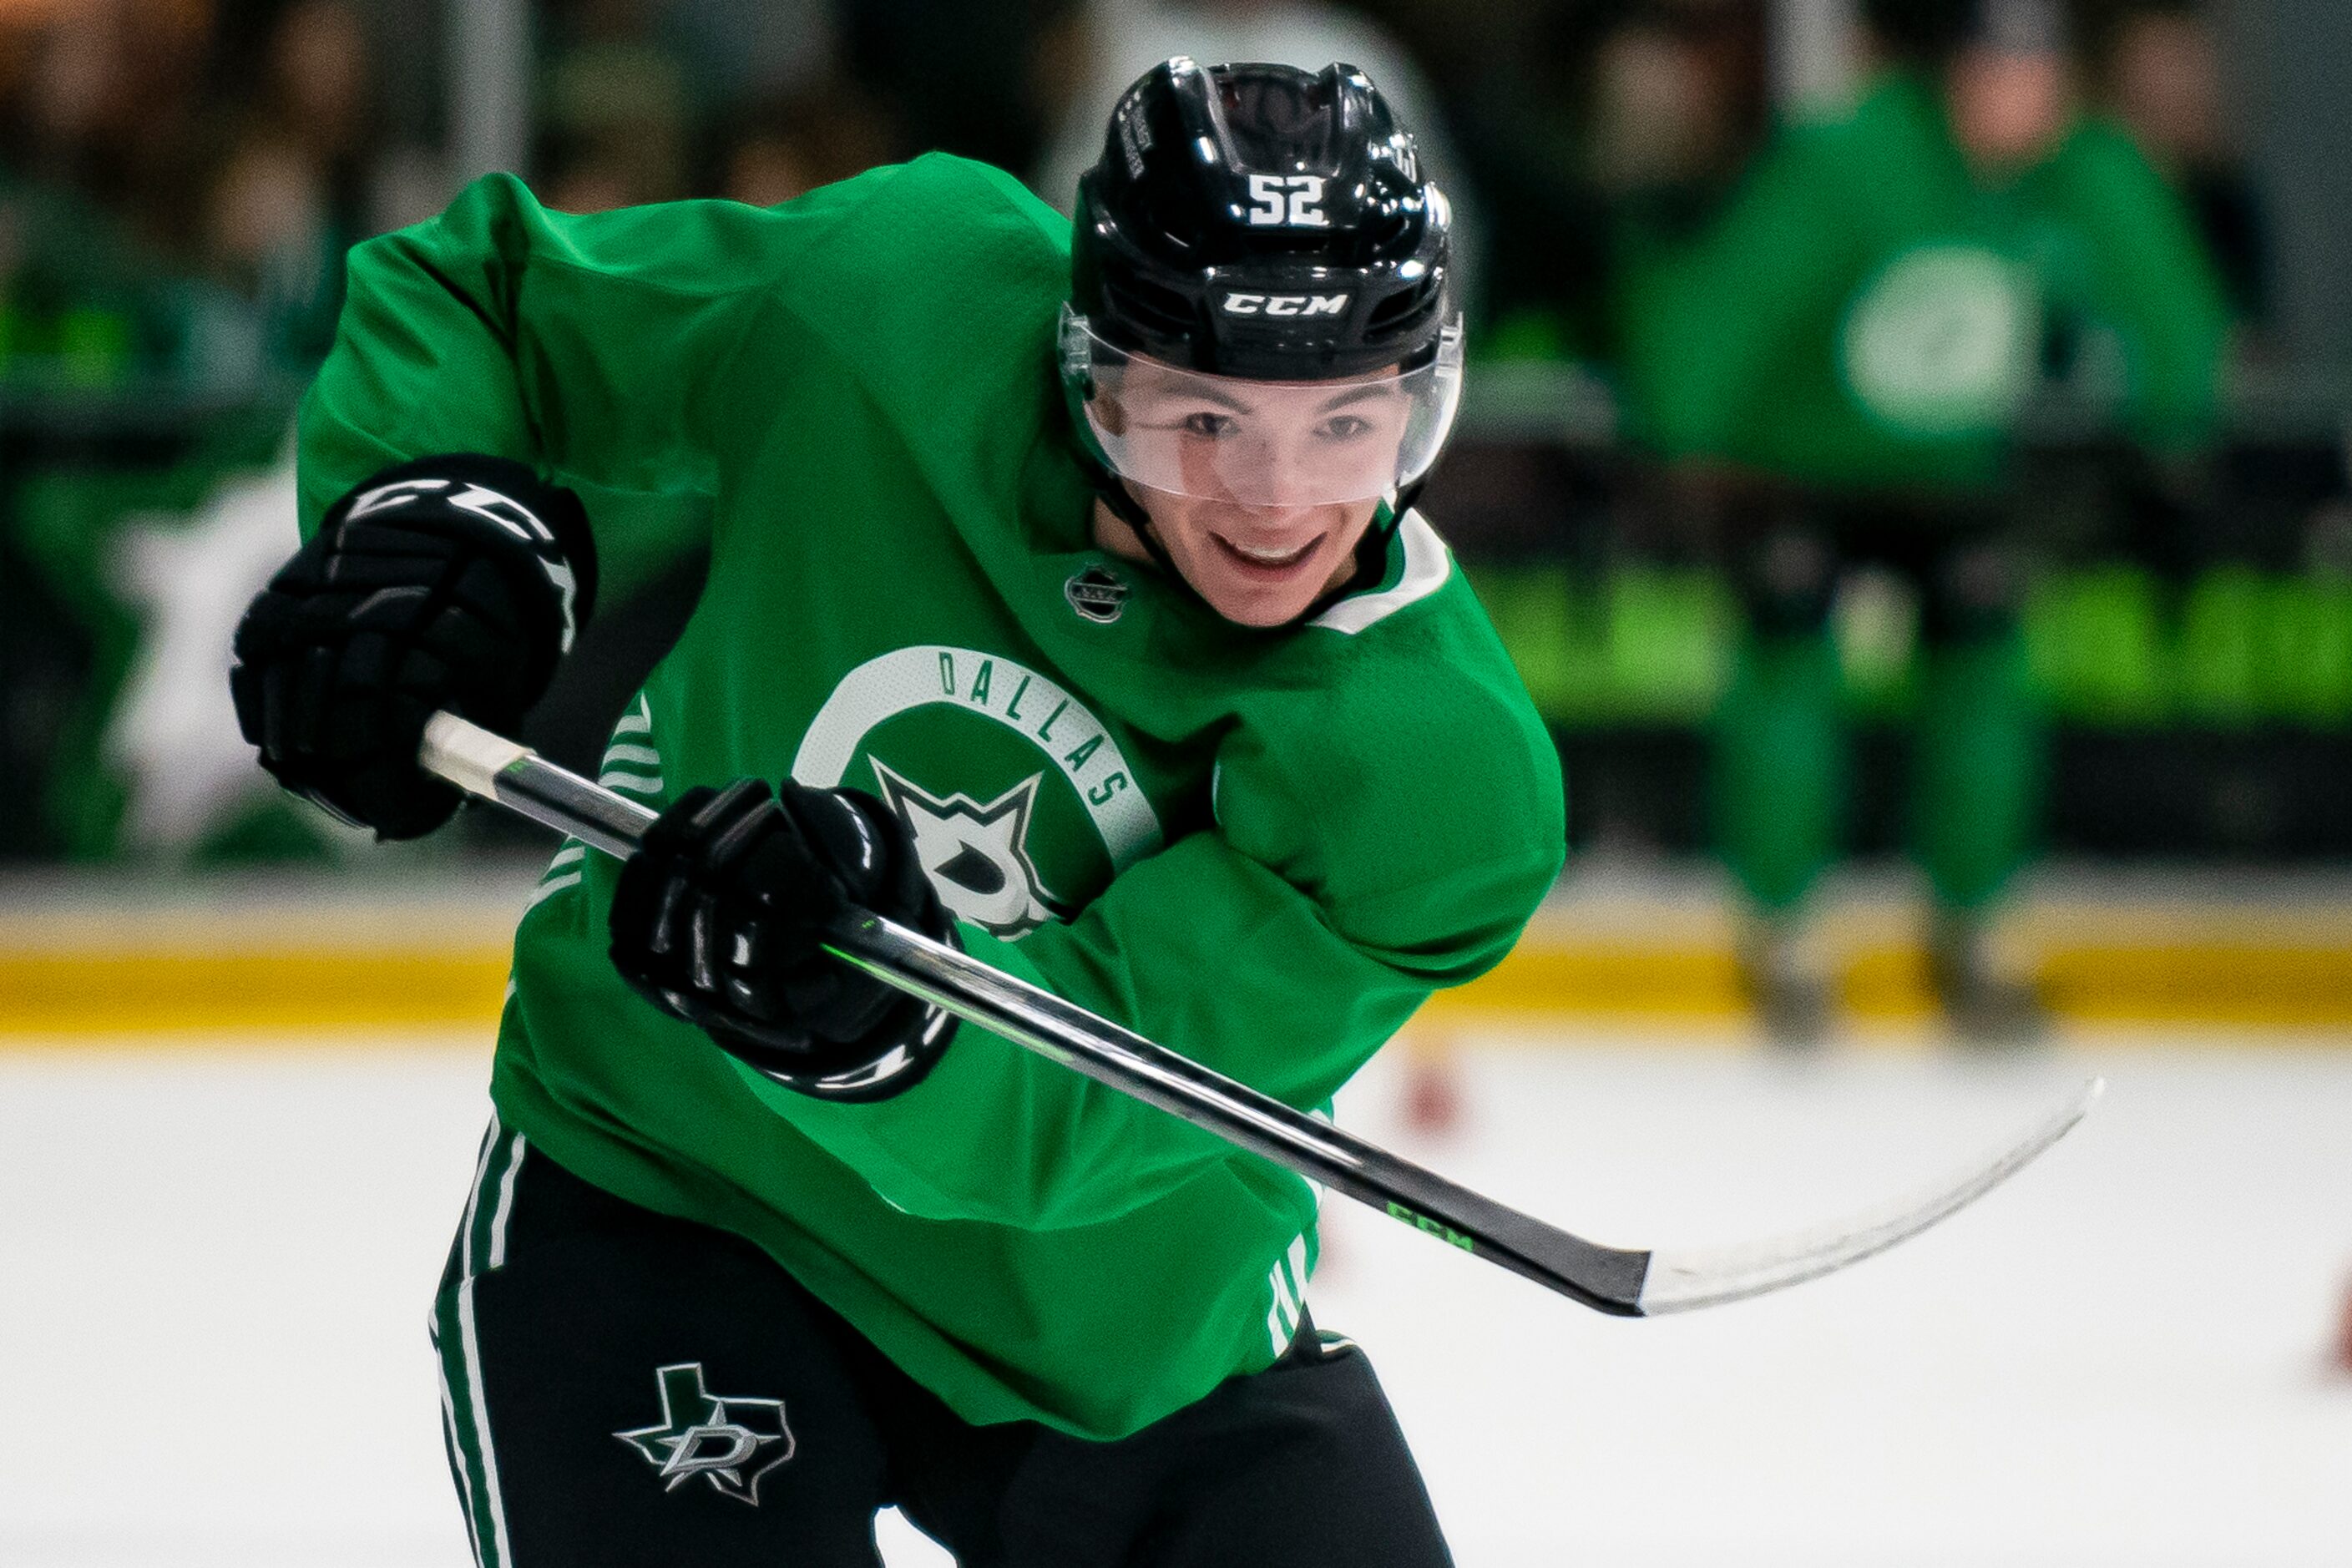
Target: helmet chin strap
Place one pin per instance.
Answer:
(1114, 494)
(1128, 510)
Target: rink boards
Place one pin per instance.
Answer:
(81, 959)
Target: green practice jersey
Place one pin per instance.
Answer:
(1866, 314)
(1262, 849)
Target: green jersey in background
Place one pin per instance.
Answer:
(1263, 851)
(1865, 314)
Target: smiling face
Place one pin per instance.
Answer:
(1258, 491)
(1256, 567)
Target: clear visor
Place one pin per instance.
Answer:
(1262, 442)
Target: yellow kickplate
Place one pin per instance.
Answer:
(134, 991)
(2215, 983)
(1539, 978)
(68, 990)
(2159, 982)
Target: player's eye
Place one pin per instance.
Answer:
(1210, 425)
(1346, 428)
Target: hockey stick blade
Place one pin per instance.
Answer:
(1622, 1281)
(1681, 1279)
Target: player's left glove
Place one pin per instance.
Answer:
(451, 582)
(719, 916)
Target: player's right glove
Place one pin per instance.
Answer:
(452, 582)
(719, 918)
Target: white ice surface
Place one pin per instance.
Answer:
(214, 1266)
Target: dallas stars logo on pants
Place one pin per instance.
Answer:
(732, 1443)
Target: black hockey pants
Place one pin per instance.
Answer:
(619, 1387)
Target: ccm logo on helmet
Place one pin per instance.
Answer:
(1285, 305)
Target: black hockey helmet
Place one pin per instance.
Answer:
(1261, 224)
(1225, 190)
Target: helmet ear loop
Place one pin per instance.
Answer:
(1112, 491)
(1079, 385)
(1132, 512)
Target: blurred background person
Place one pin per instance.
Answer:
(1675, 107)
(1582, 125)
(2159, 74)
(775, 150)
(178, 183)
(615, 110)
(981, 82)
(97, 191)
(1837, 364)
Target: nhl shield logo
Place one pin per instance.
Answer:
(1097, 594)
(729, 1442)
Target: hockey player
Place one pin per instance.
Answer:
(1062, 578)
(1841, 363)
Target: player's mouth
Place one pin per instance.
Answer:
(1265, 563)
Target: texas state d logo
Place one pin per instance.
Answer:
(729, 1441)
(1019, 801)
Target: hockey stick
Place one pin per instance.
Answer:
(1626, 1282)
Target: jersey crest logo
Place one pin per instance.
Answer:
(1097, 593)
(976, 853)
(1023, 802)
(729, 1442)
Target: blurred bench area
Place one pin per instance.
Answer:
(2190, 634)
(1884, 414)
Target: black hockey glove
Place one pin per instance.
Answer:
(452, 582)
(719, 918)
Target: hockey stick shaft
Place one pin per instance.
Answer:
(1607, 1278)
(1612, 1279)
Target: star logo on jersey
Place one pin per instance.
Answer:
(732, 1443)
(976, 853)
